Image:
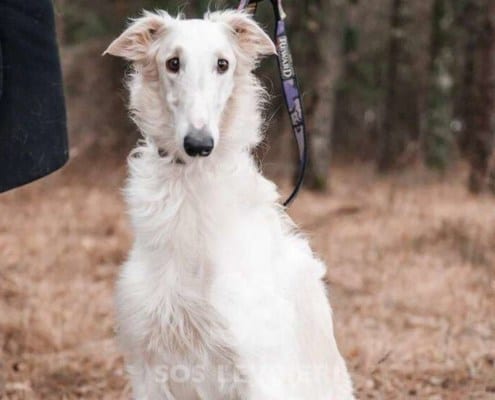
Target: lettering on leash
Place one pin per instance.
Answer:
(285, 58)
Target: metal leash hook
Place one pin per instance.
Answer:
(290, 87)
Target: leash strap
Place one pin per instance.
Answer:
(290, 87)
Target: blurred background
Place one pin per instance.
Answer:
(399, 198)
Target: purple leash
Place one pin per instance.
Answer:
(292, 94)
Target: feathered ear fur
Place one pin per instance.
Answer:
(133, 44)
(252, 41)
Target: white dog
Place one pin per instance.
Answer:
(221, 298)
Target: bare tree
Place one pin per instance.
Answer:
(59, 6)
(391, 142)
(479, 90)
(438, 137)
(324, 69)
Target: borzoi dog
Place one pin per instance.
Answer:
(220, 298)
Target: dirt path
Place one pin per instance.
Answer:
(411, 268)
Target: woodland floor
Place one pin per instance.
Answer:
(411, 269)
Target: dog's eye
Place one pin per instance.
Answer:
(173, 65)
(222, 66)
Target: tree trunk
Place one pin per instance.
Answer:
(391, 141)
(479, 90)
(438, 138)
(59, 7)
(325, 67)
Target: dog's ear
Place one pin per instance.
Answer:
(251, 38)
(133, 44)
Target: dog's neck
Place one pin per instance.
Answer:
(175, 205)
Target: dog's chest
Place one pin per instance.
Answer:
(215, 253)
(203, 250)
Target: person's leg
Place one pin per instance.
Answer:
(33, 134)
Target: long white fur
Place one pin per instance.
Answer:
(220, 298)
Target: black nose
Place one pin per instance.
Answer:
(198, 144)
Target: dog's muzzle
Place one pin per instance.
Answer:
(198, 143)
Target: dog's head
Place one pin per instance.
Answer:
(185, 74)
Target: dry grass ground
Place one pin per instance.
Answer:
(411, 269)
